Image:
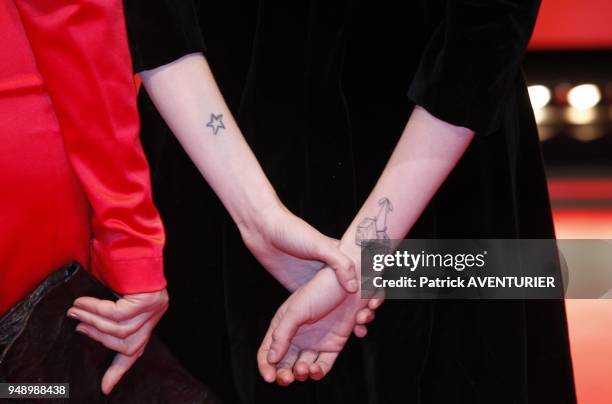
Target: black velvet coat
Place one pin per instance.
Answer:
(322, 89)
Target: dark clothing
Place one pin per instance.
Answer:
(322, 90)
(38, 343)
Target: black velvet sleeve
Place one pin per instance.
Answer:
(472, 60)
(161, 31)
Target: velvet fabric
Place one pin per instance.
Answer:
(322, 90)
(38, 343)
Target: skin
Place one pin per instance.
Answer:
(125, 326)
(186, 95)
(312, 326)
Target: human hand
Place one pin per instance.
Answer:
(293, 251)
(125, 326)
(310, 329)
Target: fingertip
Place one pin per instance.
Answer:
(82, 329)
(300, 372)
(360, 331)
(269, 376)
(343, 266)
(345, 273)
(268, 372)
(315, 371)
(72, 313)
(365, 316)
(80, 301)
(284, 377)
(375, 303)
(107, 383)
(352, 286)
(361, 317)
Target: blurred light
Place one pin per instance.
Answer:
(578, 116)
(561, 91)
(584, 96)
(540, 115)
(546, 132)
(539, 96)
(587, 133)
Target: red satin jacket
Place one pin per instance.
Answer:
(74, 181)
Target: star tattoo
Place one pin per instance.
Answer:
(216, 123)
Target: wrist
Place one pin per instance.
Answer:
(256, 209)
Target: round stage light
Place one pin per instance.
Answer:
(584, 96)
(539, 96)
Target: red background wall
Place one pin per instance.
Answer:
(574, 24)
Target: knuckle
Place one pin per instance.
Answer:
(131, 349)
(291, 311)
(343, 266)
(159, 297)
(122, 332)
(276, 335)
(140, 348)
(100, 325)
(142, 342)
(127, 348)
(115, 315)
(161, 300)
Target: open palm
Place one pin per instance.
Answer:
(309, 330)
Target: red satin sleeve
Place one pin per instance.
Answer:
(81, 50)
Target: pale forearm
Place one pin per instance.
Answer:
(425, 155)
(186, 95)
(292, 251)
(319, 316)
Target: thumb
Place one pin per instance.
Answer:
(121, 364)
(282, 335)
(327, 251)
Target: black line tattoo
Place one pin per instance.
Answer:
(215, 123)
(372, 231)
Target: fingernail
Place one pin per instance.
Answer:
(352, 285)
(271, 355)
(73, 315)
(82, 331)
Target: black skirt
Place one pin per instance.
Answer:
(322, 91)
